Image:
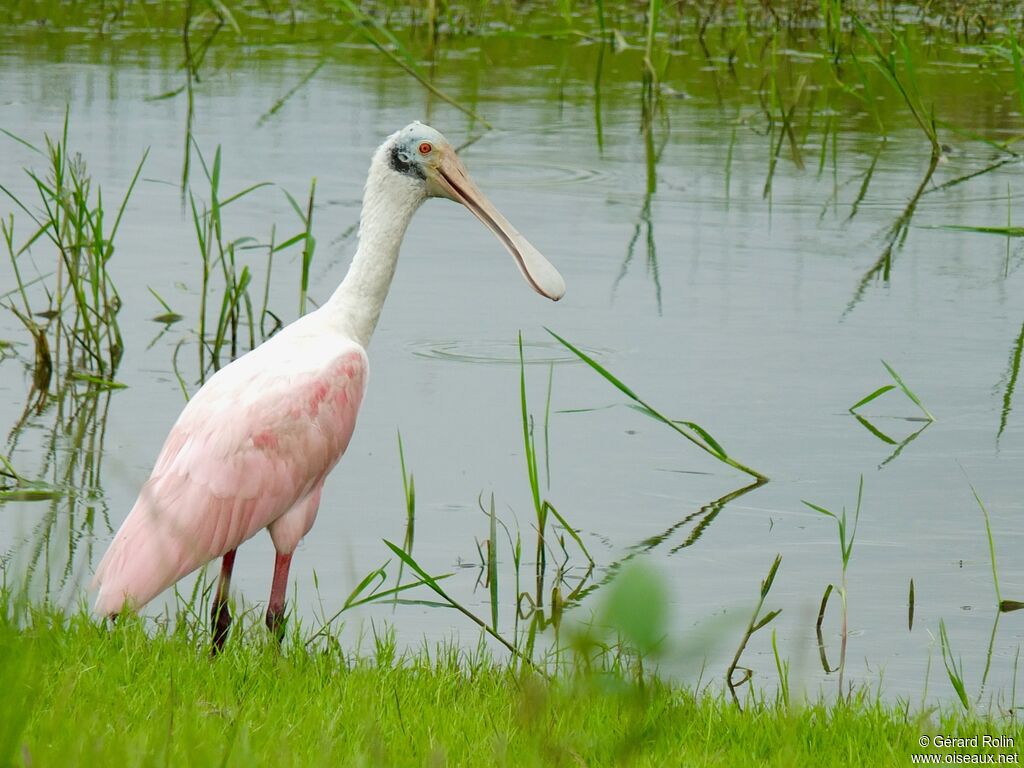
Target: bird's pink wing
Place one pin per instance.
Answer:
(254, 442)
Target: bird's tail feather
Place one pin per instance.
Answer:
(143, 560)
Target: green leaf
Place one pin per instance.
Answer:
(702, 439)
(597, 367)
(378, 575)
(715, 446)
(877, 393)
(98, 381)
(907, 391)
(427, 579)
(767, 618)
(823, 511)
(766, 585)
(953, 670)
(30, 494)
(570, 530)
(1004, 231)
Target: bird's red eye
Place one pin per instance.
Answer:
(425, 148)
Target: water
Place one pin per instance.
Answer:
(743, 311)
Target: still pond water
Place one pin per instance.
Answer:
(744, 309)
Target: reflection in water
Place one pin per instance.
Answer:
(387, 43)
(279, 103)
(193, 58)
(865, 182)
(77, 353)
(71, 469)
(702, 518)
(1013, 370)
(497, 352)
(598, 129)
(1013, 158)
(874, 430)
(899, 445)
(819, 636)
(895, 237)
(988, 658)
(785, 132)
(645, 224)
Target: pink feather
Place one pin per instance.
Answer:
(250, 451)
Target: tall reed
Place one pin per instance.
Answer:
(83, 302)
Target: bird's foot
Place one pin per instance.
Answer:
(276, 622)
(220, 617)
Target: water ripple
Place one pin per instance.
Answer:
(498, 352)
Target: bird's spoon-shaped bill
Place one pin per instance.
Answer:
(454, 181)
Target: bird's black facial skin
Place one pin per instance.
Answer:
(401, 162)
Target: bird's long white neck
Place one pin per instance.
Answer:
(389, 202)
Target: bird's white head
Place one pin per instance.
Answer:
(429, 165)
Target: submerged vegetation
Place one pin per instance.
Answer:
(575, 645)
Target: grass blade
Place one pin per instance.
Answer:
(431, 582)
(867, 399)
(907, 391)
(696, 435)
(954, 670)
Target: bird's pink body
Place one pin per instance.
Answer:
(250, 451)
(253, 446)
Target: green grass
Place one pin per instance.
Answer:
(758, 622)
(847, 535)
(80, 694)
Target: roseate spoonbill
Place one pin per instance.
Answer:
(254, 444)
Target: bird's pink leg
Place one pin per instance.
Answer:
(278, 588)
(220, 616)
